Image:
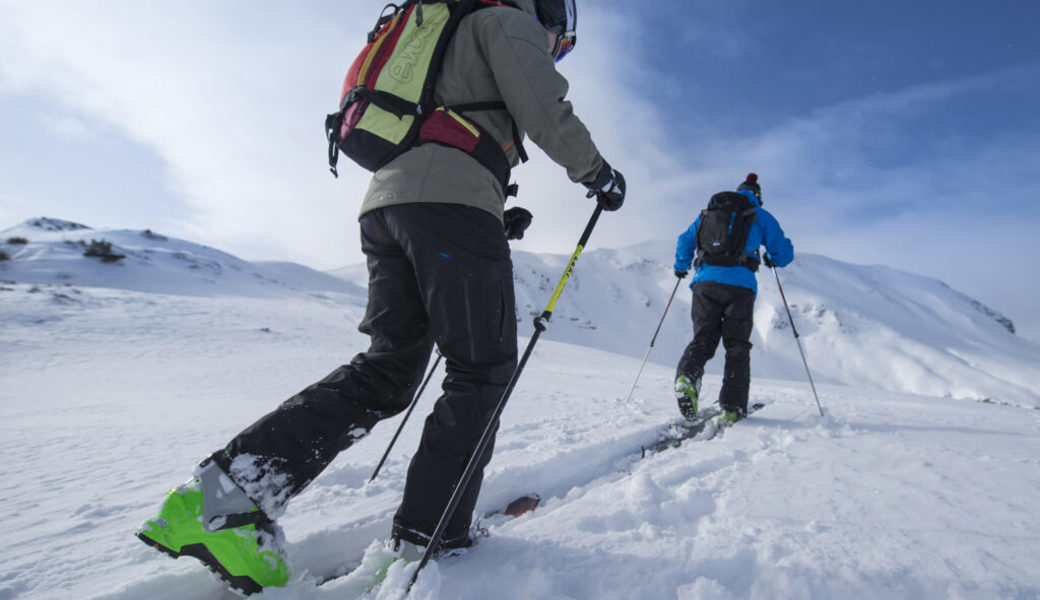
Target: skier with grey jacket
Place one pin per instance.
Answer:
(435, 234)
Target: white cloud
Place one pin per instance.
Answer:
(69, 127)
(232, 95)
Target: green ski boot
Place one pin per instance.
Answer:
(211, 519)
(730, 417)
(686, 391)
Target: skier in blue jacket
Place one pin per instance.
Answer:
(724, 300)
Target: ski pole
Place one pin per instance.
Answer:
(654, 339)
(485, 438)
(799, 341)
(411, 407)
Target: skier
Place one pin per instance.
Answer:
(724, 288)
(434, 232)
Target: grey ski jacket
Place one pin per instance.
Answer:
(497, 54)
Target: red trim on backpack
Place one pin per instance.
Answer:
(385, 50)
(445, 129)
(351, 117)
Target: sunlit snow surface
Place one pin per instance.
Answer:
(115, 379)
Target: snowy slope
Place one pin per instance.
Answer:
(52, 252)
(109, 400)
(870, 326)
(867, 326)
(111, 392)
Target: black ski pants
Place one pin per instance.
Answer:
(438, 274)
(723, 312)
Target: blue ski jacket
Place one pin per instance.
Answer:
(765, 231)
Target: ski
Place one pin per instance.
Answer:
(518, 507)
(707, 425)
(678, 432)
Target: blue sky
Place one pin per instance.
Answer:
(897, 133)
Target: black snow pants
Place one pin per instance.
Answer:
(723, 312)
(438, 274)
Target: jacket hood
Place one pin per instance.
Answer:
(525, 5)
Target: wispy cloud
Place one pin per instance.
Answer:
(231, 97)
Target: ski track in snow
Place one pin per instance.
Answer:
(109, 397)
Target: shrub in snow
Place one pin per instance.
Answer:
(17, 240)
(47, 224)
(103, 250)
(4, 255)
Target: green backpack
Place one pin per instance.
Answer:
(387, 105)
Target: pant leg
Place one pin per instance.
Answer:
(706, 312)
(465, 273)
(277, 456)
(737, 323)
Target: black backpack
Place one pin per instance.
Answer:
(723, 232)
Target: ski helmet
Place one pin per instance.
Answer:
(559, 17)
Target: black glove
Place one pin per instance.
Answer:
(681, 274)
(608, 187)
(516, 220)
(766, 261)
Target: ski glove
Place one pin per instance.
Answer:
(681, 274)
(608, 187)
(516, 221)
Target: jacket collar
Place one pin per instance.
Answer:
(751, 196)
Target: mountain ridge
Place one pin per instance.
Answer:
(872, 326)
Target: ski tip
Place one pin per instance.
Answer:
(522, 505)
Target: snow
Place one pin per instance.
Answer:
(118, 378)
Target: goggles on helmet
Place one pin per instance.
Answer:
(564, 44)
(559, 17)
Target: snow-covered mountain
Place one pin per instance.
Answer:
(114, 383)
(865, 326)
(51, 251)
